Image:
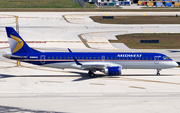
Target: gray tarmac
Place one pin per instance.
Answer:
(29, 88)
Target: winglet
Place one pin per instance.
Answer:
(69, 50)
(75, 60)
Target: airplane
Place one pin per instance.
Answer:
(110, 63)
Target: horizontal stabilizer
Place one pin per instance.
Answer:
(14, 56)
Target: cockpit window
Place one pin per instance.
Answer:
(166, 58)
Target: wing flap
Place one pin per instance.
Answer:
(93, 66)
(98, 65)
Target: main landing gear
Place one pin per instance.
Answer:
(158, 71)
(91, 74)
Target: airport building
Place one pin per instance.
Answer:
(148, 3)
(112, 3)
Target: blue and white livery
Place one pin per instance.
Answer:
(110, 63)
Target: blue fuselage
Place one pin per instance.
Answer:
(127, 60)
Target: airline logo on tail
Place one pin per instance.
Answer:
(16, 43)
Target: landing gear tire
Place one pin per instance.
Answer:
(91, 74)
(158, 71)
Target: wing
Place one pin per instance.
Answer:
(95, 65)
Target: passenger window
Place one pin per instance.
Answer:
(98, 57)
(94, 57)
(139, 58)
(143, 58)
(135, 58)
(56, 57)
(48, 57)
(82, 57)
(146, 58)
(127, 58)
(150, 58)
(52, 57)
(64, 57)
(131, 58)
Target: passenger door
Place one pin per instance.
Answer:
(156, 59)
(42, 59)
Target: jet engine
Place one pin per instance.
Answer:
(113, 70)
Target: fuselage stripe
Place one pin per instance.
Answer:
(89, 60)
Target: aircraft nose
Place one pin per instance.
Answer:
(175, 64)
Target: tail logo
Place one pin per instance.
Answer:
(19, 44)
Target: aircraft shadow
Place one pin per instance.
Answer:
(147, 75)
(8, 76)
(82, 76)
(85, 76)
(10, 109)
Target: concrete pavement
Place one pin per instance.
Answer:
(30, 88)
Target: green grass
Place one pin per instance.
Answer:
(89, 5)
(38, 4)
(138, 20)
(166, 40)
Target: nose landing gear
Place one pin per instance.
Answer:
(158, 71)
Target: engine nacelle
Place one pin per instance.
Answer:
(113, 70)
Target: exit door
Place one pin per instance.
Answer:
(156, 59)
(42, 59)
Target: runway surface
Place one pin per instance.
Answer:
(29, 88)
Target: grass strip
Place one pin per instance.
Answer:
(38, 4)
(138, 20)
(166, 40)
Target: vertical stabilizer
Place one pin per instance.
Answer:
(17, 44)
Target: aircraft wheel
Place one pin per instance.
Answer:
(91, 74)
(158, 71)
